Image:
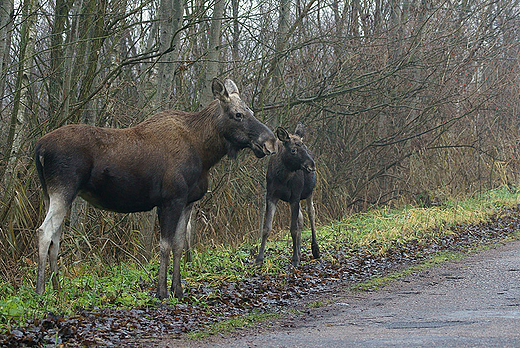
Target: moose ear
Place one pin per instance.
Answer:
(219, 91)
(300, 130)
(230, 86)
(282, 134)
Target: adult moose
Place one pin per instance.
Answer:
(162, 162)
(291, 177)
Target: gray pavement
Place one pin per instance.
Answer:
(473, 302)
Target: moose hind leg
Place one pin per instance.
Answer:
(53, 259)
(48, 240)
(312, 217)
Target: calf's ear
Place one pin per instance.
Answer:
(282, 134)
(300, 130)
(219, 91)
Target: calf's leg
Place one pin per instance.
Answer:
(270, 209)
(312, 217)
(49, 240)
(296, 232)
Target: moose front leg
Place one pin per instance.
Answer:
(178, 247)
(312, 217)
(190, 235)
(169, 217)
(270, 209)
(296, 232)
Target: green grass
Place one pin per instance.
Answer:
(82, 287)
(384, 227)
(92, 284)
(229, 325)
(318, 304)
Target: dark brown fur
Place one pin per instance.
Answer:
(162, 162)
(291, 177)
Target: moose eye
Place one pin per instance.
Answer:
(293, 151)
(239, 116)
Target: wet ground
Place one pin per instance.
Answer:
(263, 293)
(473, 302)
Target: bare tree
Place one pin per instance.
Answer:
(170, 21)
(213, 59)
(6, 27)
(17, 122)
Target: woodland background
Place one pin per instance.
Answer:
(404, 102)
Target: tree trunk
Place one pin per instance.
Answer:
(57, 57)
(96, 40)
(281, 42)
(212, 61)
(68, 64)
(235, 48)
(282, 38)
(17, 121)
(6, 27)
(170, 21)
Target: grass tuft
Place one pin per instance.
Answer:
(229, 325)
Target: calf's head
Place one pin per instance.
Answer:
(238, 124)
(295, 154)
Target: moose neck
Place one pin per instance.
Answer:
(209, 142)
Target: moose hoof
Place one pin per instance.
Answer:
(178, 293)
(315, 251)
(161, 296)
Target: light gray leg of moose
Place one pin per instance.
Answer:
(190, 234)
(48, 240)
(270, 208)
(312, 217)
(178, 247)
(54, 248)
(300, 219)
(296, 232)
(169, 216)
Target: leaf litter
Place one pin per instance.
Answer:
(211, 303)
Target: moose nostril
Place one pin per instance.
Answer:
(310, 167)
(269, 148)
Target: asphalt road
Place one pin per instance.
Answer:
(473, 302)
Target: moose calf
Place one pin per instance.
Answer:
(291, 177)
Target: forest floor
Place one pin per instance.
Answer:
(254, 299)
